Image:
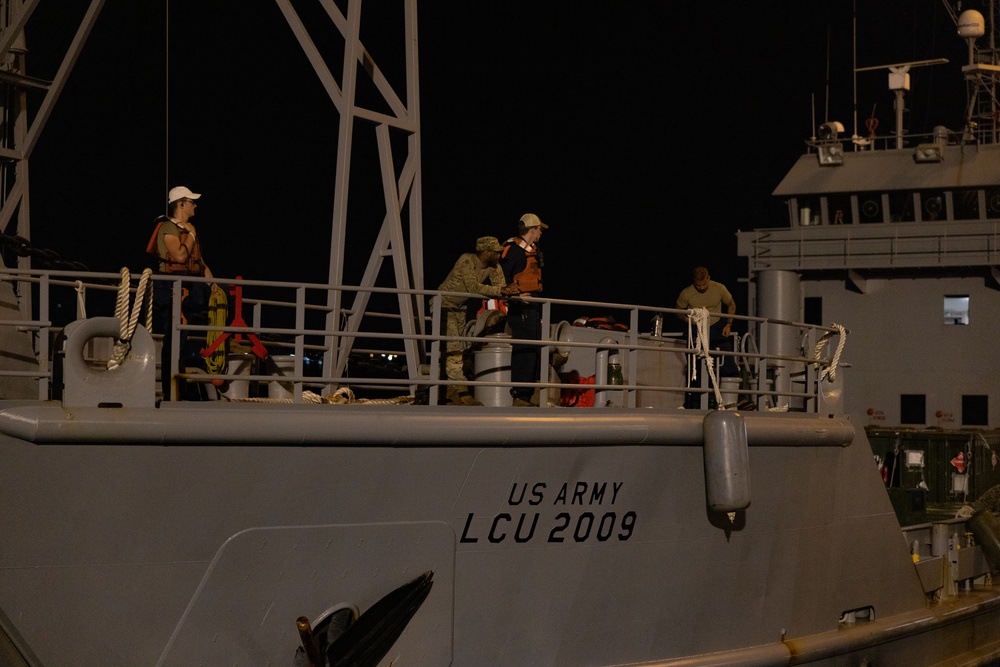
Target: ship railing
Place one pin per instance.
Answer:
(42, 326)
(983, 133)
(758, 386)
(961, 243)
(300, 330)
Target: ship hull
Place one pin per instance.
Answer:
(547, 549)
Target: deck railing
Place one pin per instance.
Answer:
(305, 346)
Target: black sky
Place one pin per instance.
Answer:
(644, 133)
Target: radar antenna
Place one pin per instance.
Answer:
(899, 83)
(982, 73)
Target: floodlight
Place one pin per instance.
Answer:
(830, 131)
(830, 155)
(928, 153)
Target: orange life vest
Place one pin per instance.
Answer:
(608, 323)
(493, 304)
(192, 267)
(529, 279)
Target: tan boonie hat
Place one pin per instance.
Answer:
(488, 243)
(532, 220)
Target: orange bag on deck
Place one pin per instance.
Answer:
(571, 397)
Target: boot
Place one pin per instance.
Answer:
(460, 395)
(469, 399)
(453, 395)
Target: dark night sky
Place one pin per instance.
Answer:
(643, 133)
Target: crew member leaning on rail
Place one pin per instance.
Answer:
(178, 250)
(477, 273)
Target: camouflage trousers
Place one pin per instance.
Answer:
(454, 365)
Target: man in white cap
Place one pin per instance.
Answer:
(177, 247)
(522, 267)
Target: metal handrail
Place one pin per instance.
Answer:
(287, 319)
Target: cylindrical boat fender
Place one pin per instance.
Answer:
(727, 461)
(132, 384)
(987, 532)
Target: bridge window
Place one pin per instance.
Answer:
(956, 309)
(901, 207)
(838, 208)
(933, 206)
(993, 204)
(870, 207)
(808, 212)
(966, 204)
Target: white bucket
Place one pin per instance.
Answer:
(492, 362)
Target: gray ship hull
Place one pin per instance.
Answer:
(547, 546)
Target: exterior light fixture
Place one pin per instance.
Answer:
(830, 150)
(830, 155)
(830, 131)
(928, 153)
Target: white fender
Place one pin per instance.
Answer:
(131, 385)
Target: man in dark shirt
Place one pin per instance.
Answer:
(522, 267)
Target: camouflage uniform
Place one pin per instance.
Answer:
(468, 275)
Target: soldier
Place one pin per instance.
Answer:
(477, 273)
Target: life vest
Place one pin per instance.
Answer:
(493, 304)
(607, 323)
(192, 267)
(529, 279)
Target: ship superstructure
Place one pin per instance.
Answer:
(897, 238)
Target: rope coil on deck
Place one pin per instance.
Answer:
(143, 296)
(342, 396)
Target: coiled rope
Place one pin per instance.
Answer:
(81, 302)
(830, 372)
(342, 396)
(700, 317)
(129, 322)
(215, 363)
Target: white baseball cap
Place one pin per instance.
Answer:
(180, 192)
